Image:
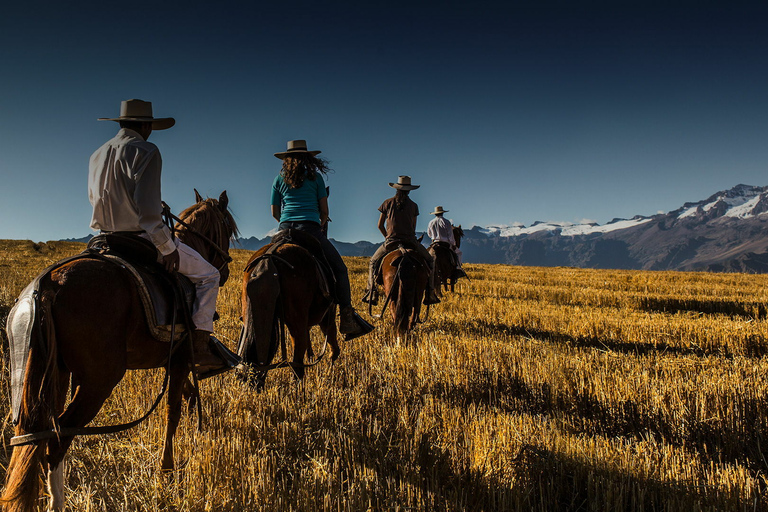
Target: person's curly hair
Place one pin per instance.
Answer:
(300, 167)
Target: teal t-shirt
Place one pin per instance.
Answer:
(299, 204)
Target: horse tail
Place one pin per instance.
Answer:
(37, 413)
(261, 316)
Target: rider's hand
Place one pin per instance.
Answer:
(171, 261)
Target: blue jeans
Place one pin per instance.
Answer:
(339, 269)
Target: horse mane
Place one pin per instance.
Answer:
(206, 217)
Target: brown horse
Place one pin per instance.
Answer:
(404, 276)
(92, 328)
(283, 286)
(445, 262)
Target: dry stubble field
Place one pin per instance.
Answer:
(530, 389)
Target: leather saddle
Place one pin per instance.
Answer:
(445, 246)
(398, 245)
(312, 245)
(159, 290)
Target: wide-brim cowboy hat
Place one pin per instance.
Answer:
(141, 111)
(438, 210)
(296, 147)
(404, 183)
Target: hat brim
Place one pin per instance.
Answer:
(404, 187)
(158, 123)
(289, 153)
(436, 212)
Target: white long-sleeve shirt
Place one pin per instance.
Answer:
(440, 229)
(124, 189)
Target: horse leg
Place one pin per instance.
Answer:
(328, 327)
(55, 475)
(189, 393)
(56, 487)
(300, 336)
(177, 378)
(86, 403)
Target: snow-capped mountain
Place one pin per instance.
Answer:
(564, 228)
(726, 232)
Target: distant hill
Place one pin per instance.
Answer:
(727, 232)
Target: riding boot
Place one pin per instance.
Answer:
(352, 325)
(458, 273)
(211, 356)
(430, 297)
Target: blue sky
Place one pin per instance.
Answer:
(502, 111)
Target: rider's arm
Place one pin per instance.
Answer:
(276, 199)
(382, 221)
(323, 204)
(147, 198)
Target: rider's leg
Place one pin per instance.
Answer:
(373, 265)
(430, 297)
(205, 277)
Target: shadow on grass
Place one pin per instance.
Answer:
(738, 441)
(533, 478)
(721, 307)
(753, 346)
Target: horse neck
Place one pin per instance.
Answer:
(210, 227)
(457, 234)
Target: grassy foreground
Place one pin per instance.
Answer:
(529, 389)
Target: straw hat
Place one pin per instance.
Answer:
(404, 183)
(438, 210)
(138, 110)
(294, 147)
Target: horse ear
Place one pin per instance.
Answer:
(198, 197)
(223, 200)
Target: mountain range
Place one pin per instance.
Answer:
(727, 232)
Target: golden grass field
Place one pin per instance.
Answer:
(529, 389)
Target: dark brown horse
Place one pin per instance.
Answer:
(404, 276)
(92, 328)
(283, 286)
(445, 262)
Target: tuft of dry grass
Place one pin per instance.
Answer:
(529, 389)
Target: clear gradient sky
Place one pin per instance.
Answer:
(502, 111)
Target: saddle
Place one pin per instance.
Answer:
(313, 247)
(441, 245)
(398, 245)
(157, 288)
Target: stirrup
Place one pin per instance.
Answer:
(363, 328)
(229, 359)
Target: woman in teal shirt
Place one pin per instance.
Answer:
(300, 201)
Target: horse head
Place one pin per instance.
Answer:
(208, 227)
(457, 234)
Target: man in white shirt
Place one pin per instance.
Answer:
(124, 190)
(440, 229)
